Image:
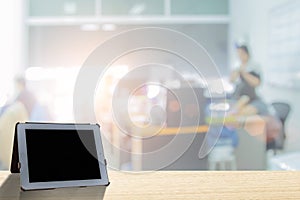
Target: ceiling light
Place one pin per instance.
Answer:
(90, 27)
(109, 27)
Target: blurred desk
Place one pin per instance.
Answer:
(175, 130)
(173, 148)
(179, 185)
(250, 153)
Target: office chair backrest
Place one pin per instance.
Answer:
(282, 110)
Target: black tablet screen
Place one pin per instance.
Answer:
(60, 155)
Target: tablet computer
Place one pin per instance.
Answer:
(60, 155)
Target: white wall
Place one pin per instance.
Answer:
(11, 43)
(249, 20)
(69, 46)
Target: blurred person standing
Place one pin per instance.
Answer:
(36, 111)
(24, 107)
(24, 96)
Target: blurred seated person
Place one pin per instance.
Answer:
(247, 78)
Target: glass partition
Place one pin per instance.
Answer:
(62, 7)
(199, 7)
(132, 7)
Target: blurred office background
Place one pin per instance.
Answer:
(47, 41)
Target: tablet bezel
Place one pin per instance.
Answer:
(22, 146)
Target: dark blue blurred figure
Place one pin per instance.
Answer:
(35, 110)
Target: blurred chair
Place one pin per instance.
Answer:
(222, 156)
(282, 111)
(223, 140)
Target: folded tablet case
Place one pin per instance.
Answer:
(14, 165)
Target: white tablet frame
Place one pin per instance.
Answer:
(22, 146)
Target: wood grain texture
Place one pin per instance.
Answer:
(197, 185)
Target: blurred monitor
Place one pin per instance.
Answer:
(186, 107)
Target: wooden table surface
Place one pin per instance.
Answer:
(188, 185)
